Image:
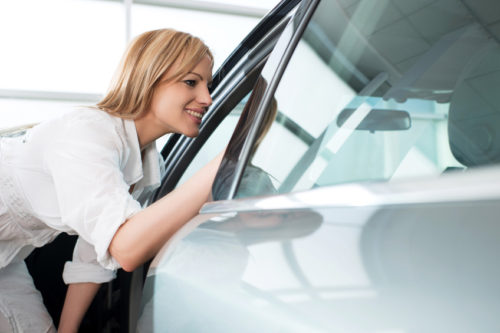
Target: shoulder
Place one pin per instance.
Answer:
(84, 131)
(90, 116)
(94, 125)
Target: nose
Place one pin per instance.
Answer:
(204, 97)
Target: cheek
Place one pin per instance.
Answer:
(165, 103)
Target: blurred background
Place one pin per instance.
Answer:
(56, 54)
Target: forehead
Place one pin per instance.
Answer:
(204, 67)
(203, 70)
(180, 68)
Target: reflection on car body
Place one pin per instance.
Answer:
(334, 208)
(226, 241)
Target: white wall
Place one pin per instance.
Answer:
(73, 47)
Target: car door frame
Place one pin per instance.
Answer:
(280, 55)
(231, 83)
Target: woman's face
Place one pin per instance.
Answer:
(178, 106)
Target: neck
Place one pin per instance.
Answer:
(146, 133)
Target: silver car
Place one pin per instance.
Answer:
(360, 190)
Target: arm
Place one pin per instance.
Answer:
(142, 235)
(78, 299)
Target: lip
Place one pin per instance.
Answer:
(195, 118)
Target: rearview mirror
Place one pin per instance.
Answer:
(378, 120)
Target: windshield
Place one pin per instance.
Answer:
(382, 90)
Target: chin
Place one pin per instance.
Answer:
(192, 134)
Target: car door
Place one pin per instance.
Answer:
(232, 84)
(359, 192)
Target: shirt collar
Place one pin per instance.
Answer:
(142, 172)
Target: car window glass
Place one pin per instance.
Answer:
(375, 91)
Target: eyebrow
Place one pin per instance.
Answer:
(201, 77)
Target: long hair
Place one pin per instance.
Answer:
(148, 57)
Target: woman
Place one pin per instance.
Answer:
(84, 172)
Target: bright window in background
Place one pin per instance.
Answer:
(60, 45)
(266, 4)
(72, 47)
(221, 32)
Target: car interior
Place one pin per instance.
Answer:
(402, 95)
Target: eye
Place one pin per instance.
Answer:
(190, 83)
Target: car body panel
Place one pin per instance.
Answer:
(382, 259)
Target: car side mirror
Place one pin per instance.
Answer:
(378, 120)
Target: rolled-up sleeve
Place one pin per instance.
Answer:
(84, 267)
(93, 197)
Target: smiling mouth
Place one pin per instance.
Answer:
(198, 115)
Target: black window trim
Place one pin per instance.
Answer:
(253, 38)
(298, 23)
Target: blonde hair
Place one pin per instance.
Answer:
(148, 57)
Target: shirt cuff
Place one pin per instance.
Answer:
(77, 272)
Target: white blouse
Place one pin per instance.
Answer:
(73, 174)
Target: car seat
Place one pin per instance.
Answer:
(474, 114)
